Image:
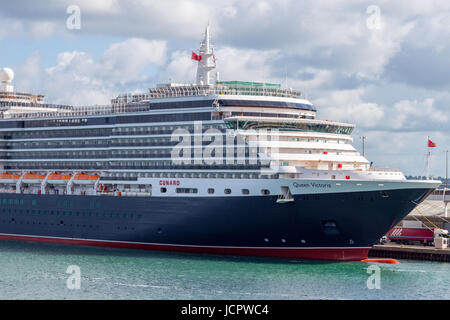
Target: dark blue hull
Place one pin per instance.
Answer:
(323, 226)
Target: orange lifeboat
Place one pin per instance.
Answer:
(85, 178)
(33, 177)
(6, 177)
(58, 178)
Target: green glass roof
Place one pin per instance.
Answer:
(248, 84)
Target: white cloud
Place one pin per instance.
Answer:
(99, 7)
(127, 59)
(244, 64)
(29, 73)
(180, 69)
(78, 78)
(407, 114)
(347, 105)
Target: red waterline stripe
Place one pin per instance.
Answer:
(339, 254)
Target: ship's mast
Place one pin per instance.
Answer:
(207, 62)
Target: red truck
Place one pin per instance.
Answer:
(411, 235)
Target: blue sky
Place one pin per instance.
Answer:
(381, 65)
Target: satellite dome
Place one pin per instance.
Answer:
(6, 75)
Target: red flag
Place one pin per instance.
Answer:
(431, 144)
(196, 56)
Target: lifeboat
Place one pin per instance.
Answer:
(85, 178)
(33, 177)
(6, 177)
(58, 178)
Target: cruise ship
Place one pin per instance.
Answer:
(219, 167)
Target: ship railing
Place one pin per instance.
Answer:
(257, 91)
(440, 192)
(78, 111)
(127, 104)
(203, 90)
(384, 169)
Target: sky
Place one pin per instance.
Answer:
(381, 65)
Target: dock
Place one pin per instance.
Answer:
(398, 251)
(431, 213)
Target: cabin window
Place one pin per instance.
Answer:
(265, 192)
(227, 191)
(163, 190)
(187, 190)
(210, 190)
(245, 191)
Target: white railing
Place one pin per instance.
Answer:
(384, 169)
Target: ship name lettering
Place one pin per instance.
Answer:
(169, 182)
(321, 185)
(301, 185)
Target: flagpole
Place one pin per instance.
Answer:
(446, 185)
(446, 169)
(428, 159)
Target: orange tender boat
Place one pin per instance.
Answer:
(33, 176)
(86, 178)
(59, 176)
(9, 176)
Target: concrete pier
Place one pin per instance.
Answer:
(397, 251)
(432, 213)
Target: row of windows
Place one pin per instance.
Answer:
(290, 126)
(125, 153)
(61, 223)
(106, 132)
(34, 202)
(181, 104)
(104, 143)
(106, 120)
(268, 103)
(73, 213)
(212, 191)
(209, 175)
(272, 115)
(159, 164)
(39, 134)
(11, 202)
(183, 190)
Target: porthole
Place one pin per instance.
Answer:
(163, 190)
(227, 191)
(245, 191)
(265, 192)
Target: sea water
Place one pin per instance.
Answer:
(48, 271)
